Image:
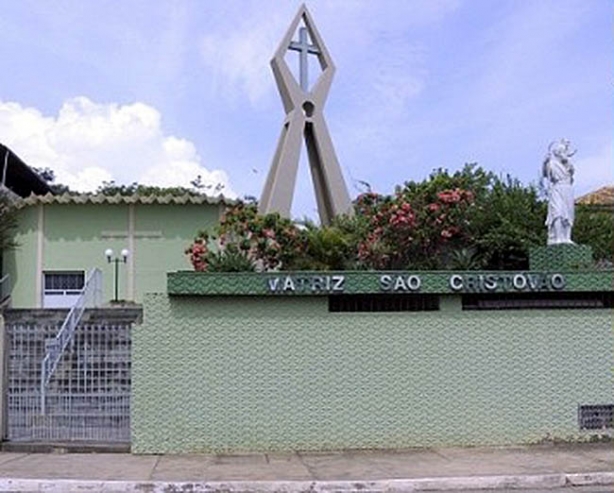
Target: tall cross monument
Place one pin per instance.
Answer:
(304, 120)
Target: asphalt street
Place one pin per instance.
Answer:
(587, 489)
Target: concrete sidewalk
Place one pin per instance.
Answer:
(409, 470)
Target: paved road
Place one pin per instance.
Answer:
(587, 489)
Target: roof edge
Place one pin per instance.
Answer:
(88, 198)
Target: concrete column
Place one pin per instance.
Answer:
(132, 250)
(40, 245)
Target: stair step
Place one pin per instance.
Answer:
(55, 317)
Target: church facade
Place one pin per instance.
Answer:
(62, 237)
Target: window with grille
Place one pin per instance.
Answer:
(64, 282)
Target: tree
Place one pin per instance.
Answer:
(325, 248)
(8, 223)
(110, 188)
(594, 227)
(414, 228)
(466, 220)
(507, 223)
(246, 238)
(48, 175)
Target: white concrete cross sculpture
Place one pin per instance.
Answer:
(304, 118)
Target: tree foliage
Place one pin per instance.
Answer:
(508, 222)
(324, 248)
(110, 188)
(259, 241)
(413, 228)
(8, 223)
(469, 219)
(595, 227)
(448, 221)
(48, 175)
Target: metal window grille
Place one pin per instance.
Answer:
(64, 281)
(527, 301)
(383, 303)
(596, 417)
(88, 396)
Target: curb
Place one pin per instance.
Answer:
(393, 485)
(64, 448)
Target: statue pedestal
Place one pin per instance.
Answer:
(563, 257)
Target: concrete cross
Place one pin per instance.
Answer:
(304, 121)
(304, 49)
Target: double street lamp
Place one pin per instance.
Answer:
(117, 260)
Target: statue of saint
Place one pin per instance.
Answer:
(558, 171)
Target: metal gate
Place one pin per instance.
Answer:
(87, 398)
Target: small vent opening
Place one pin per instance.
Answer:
(596, 417)
(538, 301)
(383, 303)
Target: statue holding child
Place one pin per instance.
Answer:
(558, 172)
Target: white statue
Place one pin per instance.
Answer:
(558, 171)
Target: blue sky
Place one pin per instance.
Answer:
(161, 91)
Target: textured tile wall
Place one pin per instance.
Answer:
(260, 373)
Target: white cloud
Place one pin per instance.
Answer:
(237, 55)
(88, 143)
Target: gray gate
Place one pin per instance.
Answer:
(88, 396)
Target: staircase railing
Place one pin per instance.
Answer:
(90, 297)
(5, 288)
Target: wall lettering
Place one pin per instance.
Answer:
(488, 283)
(400, 284)
(412, 283)
(306, 284)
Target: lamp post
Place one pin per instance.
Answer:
(116, 260)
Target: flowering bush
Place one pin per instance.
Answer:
(387, 232)
(198, 253)
(412, 229)
(467, 220)
(265, 241)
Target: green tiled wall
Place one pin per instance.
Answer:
(264, 373)
(184, 283)
(563, 256)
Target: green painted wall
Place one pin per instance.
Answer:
(20, 263)
(76, 236)
(178, 225)
(73, 240)
(263, 373)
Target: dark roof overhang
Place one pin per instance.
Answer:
(18, 176)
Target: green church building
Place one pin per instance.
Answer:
(278, 361)
(62, 237)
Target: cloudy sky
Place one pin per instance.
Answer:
(163, 91)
